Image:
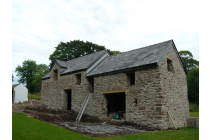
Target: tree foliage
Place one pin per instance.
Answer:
(41, 71)
(74, 49)
(193, 85)
(188, 61)
(192, 68)
(29, 74)
(114, 52)
(12, 78)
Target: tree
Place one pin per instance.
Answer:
(25, 72)
(12, 78)
(193, 85)
(188, 61)
(41, 71)
(114, 52)
(73, 49)
(30, 74)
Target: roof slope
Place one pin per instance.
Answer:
(13, 86)
(135, 58)
(62, 63)
(46, 76)
(83, 62)
(77, 64)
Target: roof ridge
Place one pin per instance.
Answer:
(80, 56)
(139, 48)
(68, 64)
(85, 55)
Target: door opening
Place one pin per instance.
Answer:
(116, 102)
(68, 92)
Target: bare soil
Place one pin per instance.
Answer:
(88, 126)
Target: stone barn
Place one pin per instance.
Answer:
(145, 86)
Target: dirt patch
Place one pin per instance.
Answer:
(89, 126)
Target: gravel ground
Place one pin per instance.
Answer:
(100, 128)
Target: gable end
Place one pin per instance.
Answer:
(172, 44)
(57, 64)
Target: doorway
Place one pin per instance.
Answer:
(115, 102)
(69, 98)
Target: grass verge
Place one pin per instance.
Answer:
(26, 128)
(33, 96)
(194, 114)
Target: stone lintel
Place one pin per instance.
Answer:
(116, 91)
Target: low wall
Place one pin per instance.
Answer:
(193, 122)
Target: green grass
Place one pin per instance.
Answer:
(33, 96)
(194, 110)
(194, 114)
(26, 128)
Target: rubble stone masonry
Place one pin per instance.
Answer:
(157, 91)
(174, 94)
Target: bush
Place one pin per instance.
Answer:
(193, 85)
(194, 108)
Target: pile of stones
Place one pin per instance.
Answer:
(31, 103)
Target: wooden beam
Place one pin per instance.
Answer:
(116, 91)
(67, 88)
(79, 72)
(172, 120)
(169, 58)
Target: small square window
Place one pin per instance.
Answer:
(131, 77)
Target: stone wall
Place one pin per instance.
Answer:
(193, 122)
(53, 92)
(174, 97)
(146, 91)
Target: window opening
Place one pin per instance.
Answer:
(135, 102)
(78, 79)
(55, 74)
(91, 81)
(131, 77)
(169, 65)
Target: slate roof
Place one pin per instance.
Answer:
(131, 59)
(62, 63)
(46, 76)
(146, 56)
(83, 62)
(13, 86)
(77, 64)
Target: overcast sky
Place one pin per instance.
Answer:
(39, 25)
